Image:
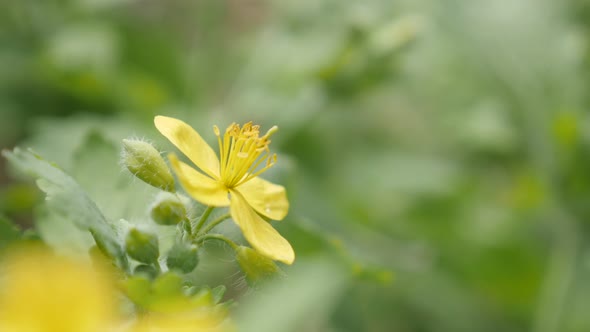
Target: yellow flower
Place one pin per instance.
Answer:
(243, 155)
(40, 292)
(181, 323)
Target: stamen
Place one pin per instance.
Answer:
(269, 163)
(221, 150)
(242, 151)
(226, 148)
(271, 131)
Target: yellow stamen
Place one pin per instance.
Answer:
(242, 151)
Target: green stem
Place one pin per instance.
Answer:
(218, 237)
(186, 225)
(156, 265)
(215, 223)
(559, 275)
(203, 219)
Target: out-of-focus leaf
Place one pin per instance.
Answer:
(18, 198)
(168, 284)
(218, 293)
(167, 293)
(8, 232)
(300, 303)
(137, 289)
(68, 200)
(117, 194)
(60, 233)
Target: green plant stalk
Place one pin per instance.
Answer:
(186, 224)
(214, 223)
(203, 219)
(218, 237)
(561, 266)
(559, 276)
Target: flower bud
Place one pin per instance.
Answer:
(142, 247)
(145, 162)
(257, 267)
(168, 209)
(183, 257)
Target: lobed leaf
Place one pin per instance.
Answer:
(68, 200)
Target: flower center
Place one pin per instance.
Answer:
(242, 152)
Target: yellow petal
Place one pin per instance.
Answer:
(261, 235)
(266, 198)
(187, 140)
(199, 186)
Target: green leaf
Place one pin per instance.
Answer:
(8, 233)
(68, 200)
(96, 167)
(168, 285)
(218, 293)
(312, 290)
(61, 234)
(138, 289)
(169, 293)
(203, 298)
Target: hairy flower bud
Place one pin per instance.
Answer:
(183, 257)
(145, 162)
(142, 247)
(168, 209)
(256, 266)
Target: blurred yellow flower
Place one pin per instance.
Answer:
(40, 292)
(241, 153)
(181, 323)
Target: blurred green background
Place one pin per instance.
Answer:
(435, 152)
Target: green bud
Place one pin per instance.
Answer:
(168, 209)
(146, 270)
(256, 267)
(142, 247)
(183, 257)
(146, 163)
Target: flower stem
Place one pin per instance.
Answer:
(219, 237)
(203, 219)
(215, 223)
(186, 225)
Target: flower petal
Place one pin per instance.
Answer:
(266, 198)
(259, 233)
(187, 140)
(200, 187)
